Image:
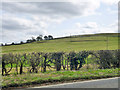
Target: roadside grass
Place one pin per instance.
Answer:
(27, 79)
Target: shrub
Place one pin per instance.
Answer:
(104, 58)
(56, 57)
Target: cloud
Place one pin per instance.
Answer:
(15, 24)
(78, 25)
(23, 19)
(86, 28)
(53, 9)
(112, 11)
(110, 2)
(19, 28)
(34, 18)
(111, 28)
(93, 27)
(89, 27)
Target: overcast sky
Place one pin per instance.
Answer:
(23, 20)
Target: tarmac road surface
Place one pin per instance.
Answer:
(99, 83)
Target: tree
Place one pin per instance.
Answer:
(39, 38)
(45, 37)
(22, 60)
(56, 59)
(34, 61)
(7, 59)
(12, 43)
(2, 44)
(28, 41)
(33, 39)
(21, 42)
(50, 37)
(44, 64)
(6, 44)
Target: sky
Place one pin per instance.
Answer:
(23, 20)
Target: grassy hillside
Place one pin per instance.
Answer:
(67, 44)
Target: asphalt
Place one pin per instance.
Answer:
(100, 83)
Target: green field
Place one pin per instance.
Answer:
(73, 43)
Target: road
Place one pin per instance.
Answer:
(100, 83)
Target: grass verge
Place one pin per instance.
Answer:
(33, 79)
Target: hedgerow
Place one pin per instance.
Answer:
(39, 61)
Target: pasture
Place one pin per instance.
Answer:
(73, 43)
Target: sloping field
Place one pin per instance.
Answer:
(67, 44)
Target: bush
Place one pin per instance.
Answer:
(108, 58)
(104, 58)
(56, 57)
